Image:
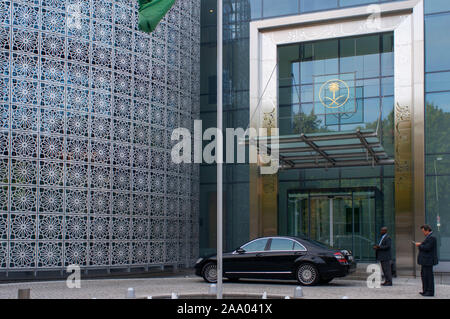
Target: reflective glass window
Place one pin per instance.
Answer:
(364, 64)
(348, 3)
(256, 9)
(257, 245)
(314, 5)
(299, 247)
(437, 118)
(433, 6)
(273, 8)
(279, 244)
(437, 46)
(437, 81)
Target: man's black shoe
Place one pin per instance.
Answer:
(427, 295)
(387, 284)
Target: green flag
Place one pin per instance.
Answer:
(151, 12)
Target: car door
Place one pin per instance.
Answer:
(246, 263)
(281, 255)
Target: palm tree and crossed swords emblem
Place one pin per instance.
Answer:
(334, 86)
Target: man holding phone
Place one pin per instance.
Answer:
(427, 259)
(384, 256)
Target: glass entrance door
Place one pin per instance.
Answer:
(320, 220)
(345, 220)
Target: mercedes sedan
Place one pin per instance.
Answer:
(307, 261)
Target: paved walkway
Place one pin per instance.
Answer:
(117, 288)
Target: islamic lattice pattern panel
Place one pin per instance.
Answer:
(87, 107)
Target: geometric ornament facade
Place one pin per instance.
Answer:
(87, 107)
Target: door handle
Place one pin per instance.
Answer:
(260, 255)
(299, 253)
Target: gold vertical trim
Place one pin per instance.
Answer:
(419, 123)
(404, 212)
(264, 193)
(254, 202)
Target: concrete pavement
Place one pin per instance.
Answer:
(404, 288)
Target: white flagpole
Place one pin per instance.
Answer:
(219, 151)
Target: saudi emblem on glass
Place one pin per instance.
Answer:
(334, 94)
(339, 91)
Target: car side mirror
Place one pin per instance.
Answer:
(240, 250)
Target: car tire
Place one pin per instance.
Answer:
(325, 281)
(209, 272)
(307, 274)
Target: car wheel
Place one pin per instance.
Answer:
(210, 272)
(307, 274)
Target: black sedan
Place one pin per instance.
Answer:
(307, 261)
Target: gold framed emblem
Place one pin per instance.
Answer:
(334, 93)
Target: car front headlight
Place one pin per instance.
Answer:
(199, 260)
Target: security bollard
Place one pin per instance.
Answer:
(174, 296)
(264, 296)
(24, 294)
(298, 292)
(212, 289)
(131, 294)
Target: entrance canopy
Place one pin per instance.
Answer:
(327, 150)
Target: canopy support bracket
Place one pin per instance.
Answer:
(366, 145)
(313, 145)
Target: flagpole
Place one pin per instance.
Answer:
(219, 148)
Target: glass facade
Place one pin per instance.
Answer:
(437, 122)
(373, 64)
(269, 8)
(365, 65)
(343, 217)
(237, 15)
(87, 106)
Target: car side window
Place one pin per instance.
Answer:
(257, 245)
(299, 247)
(279, 244)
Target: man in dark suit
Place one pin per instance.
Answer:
(427, 259)
(383, 255)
